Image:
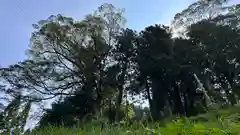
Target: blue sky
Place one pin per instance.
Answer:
(17, 17)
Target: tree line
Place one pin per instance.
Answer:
(93, 67)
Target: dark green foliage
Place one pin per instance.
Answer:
(68, 112)
(13, 118)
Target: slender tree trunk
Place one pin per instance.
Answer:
(126, 111)
(186, 102)
(148, 93)
(208, 100)
(149, 97)
(179, 107)
(119, 101)
(110, 112)
(226, 84)
(231, 94)
(167, 109)
(120, 90)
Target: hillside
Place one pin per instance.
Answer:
(222, 122)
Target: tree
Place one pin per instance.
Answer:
(14, 116)
(113, 21)
(154, 51)
(210, 21)
(124, 55)
(198, 11)
(221, 51)
(68, 112)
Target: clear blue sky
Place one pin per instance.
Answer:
(17, 17)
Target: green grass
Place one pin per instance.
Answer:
(222, 122)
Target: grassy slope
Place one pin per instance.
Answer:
(220, 122)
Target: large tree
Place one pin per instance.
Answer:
(68, 57)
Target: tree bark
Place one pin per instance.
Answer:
(179, 107)
(120, 89)
(159, 98)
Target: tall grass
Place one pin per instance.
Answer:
(223, 122)
(173, 128)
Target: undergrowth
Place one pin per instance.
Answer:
(222, 122)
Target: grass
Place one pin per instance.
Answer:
(222, 122)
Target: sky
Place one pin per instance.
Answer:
(17, 17)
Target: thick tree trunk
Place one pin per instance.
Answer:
(189, 103)
(189, 96)
(159, 98)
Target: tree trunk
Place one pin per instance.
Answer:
(159, 98)
(179, 107)
(186, 102)
(120, 90)
(150, 102)
(208, 100)
(232, 96)
(119, 101)
(148, 94)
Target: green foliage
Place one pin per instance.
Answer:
(13, 118)
(223, 125)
